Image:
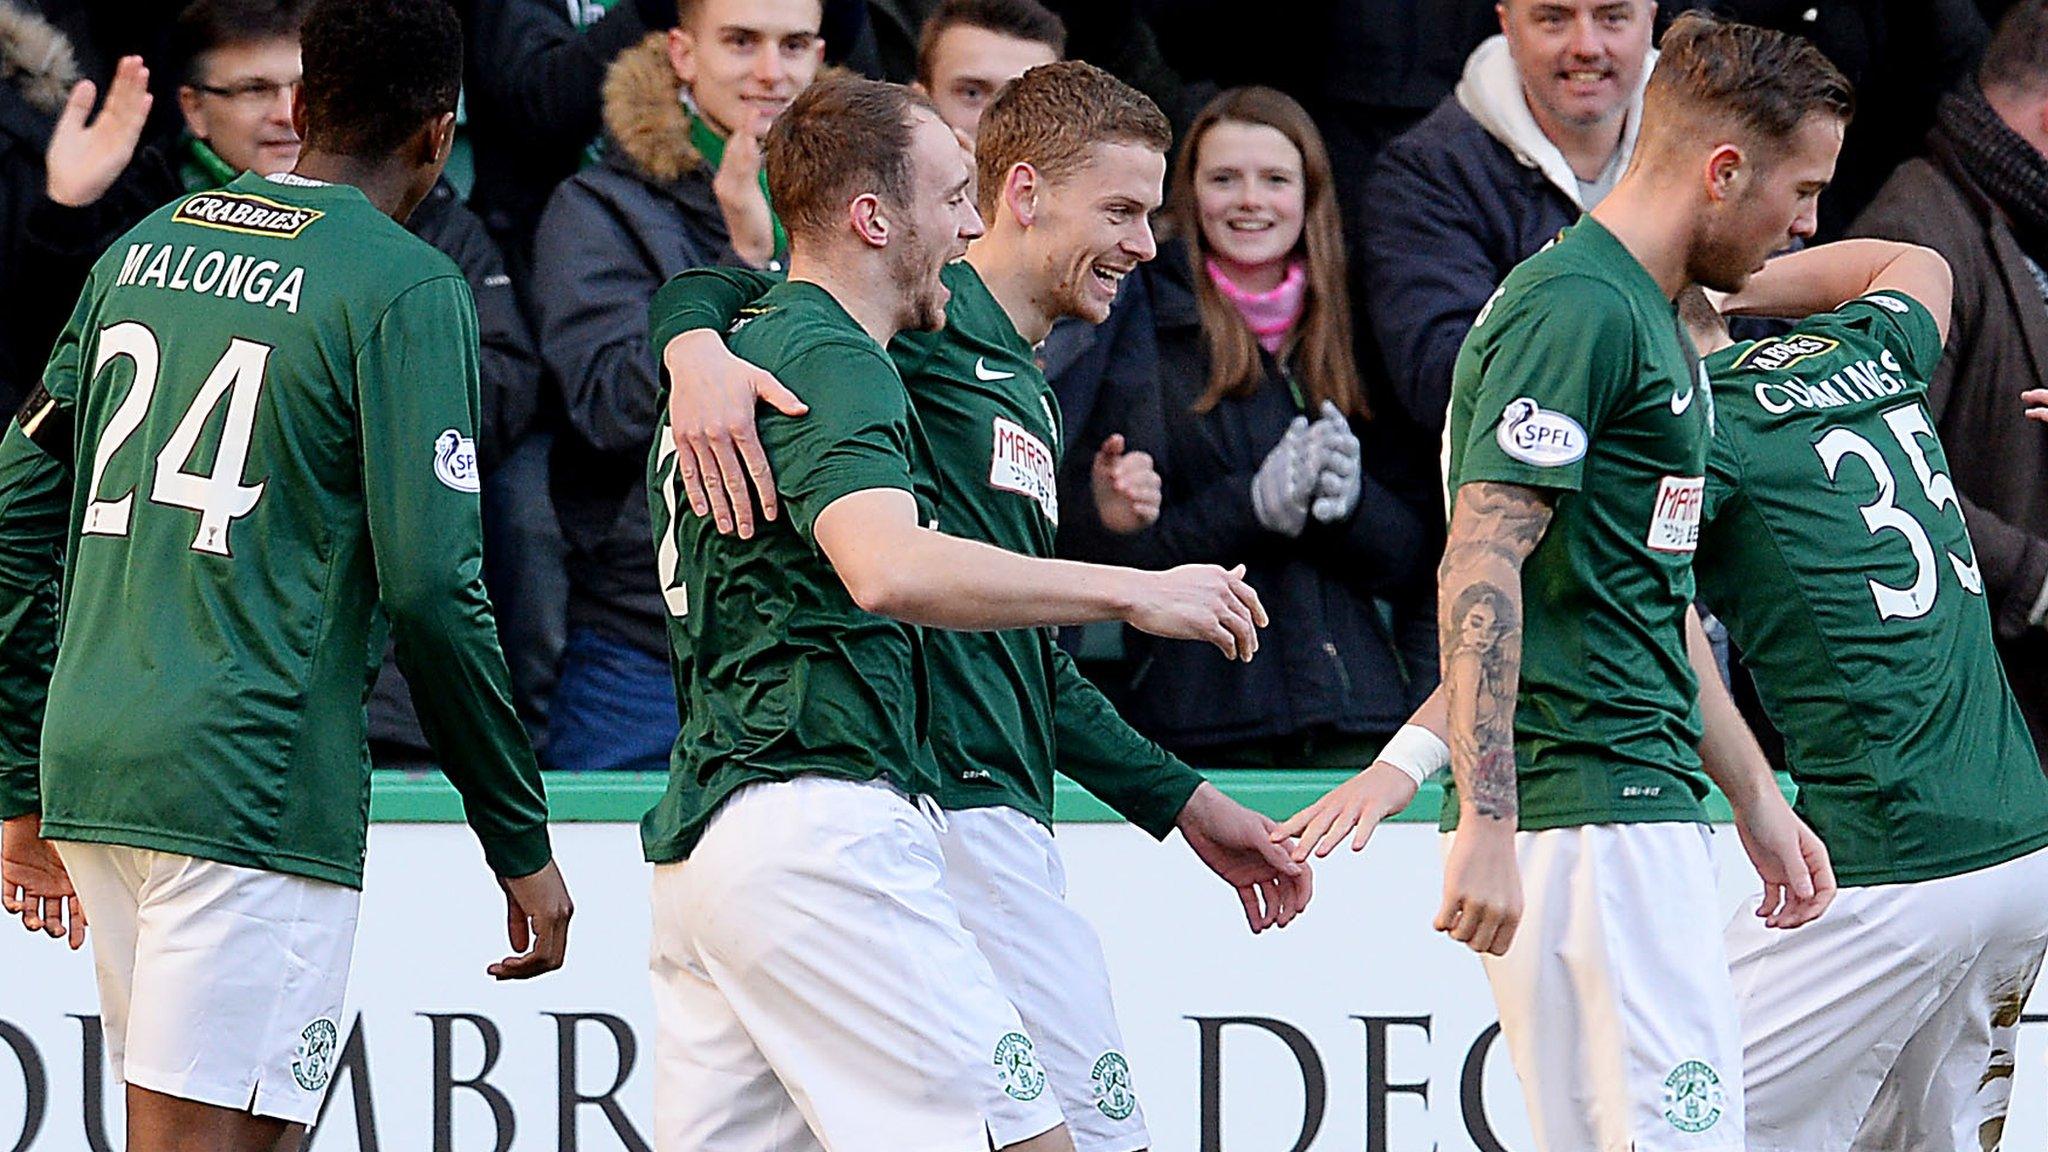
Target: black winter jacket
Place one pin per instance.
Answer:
(1352, 642)
(37, 67)
(611, 236)
(1448, 211)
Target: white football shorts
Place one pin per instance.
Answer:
(810, 972)
(218, 983)
(1889, 1023)
(1010, 885)
(1614, 998)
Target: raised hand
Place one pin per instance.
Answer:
(537, 911)
(1359, 804)
(1241, 846)
(1202, 602)
(711, 412)
(1126, 486)
(34, 884)
(86, 154)
(737, 188)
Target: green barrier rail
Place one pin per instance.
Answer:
(621, 797)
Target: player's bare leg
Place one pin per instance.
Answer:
(160, 1123)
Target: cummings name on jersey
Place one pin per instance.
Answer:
(212, 272)
(1861, 381)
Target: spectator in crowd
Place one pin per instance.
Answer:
(1538, 130)
(240, 65)
(531, 99)
(680, 186)
(37, 69)
(239, 60)
(1266, 451)
(533, 94)
(1901, 55)
(970, 48)
(1980, 198)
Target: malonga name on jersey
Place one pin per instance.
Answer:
(212, 272)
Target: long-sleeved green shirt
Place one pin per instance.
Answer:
(1007, 707)
(254, 447)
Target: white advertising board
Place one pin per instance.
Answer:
(1355, 1030)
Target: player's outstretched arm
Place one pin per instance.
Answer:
(712, 394)
(1356, 807)
(1237, 844)
(1494, 527)
(893, 567)
(1826, 276)
(1154, 790)
(1799, 883)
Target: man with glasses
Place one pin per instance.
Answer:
(239, 66)
(240, 62)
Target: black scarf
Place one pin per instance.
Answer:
(2001, 162)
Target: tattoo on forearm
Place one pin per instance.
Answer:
(1494, 530)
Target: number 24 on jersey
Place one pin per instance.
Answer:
(219, 494)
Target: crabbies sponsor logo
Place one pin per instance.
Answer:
(313, 1065)
(1535, 435)
(254, 215)
(1693, 1097)
(1778, 354)
(1111, 1078)
(1020, 462)
(455, 461)
(1017, 1067)
(1675, 518)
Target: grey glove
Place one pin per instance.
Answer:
(1285, 485)
(1338, 484)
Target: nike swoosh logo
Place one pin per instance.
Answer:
(1679, 403)
(983, 372)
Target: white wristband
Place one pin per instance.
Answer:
(1417, 751)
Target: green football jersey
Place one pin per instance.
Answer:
(1577, 379)
(272, 396)
(1834, 549)
(1007, 707)
(778, 672)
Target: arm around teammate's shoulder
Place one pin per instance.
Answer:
(1826, 276)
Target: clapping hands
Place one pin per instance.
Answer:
(1315, 470)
